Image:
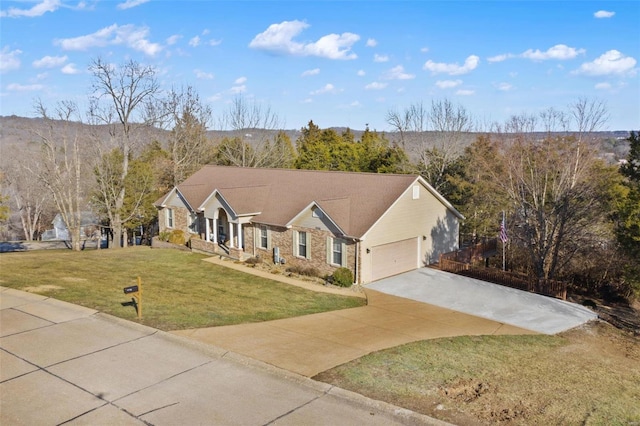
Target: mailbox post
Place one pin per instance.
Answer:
(136, 292)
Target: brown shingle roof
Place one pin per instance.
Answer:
(354, 201)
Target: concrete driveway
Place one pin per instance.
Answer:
(491, 301)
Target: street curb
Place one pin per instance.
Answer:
(407, 417)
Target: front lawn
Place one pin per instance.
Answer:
(586, 376)
(180, 291)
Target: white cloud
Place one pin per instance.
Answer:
(448, 84)
(9, 60)
(612, 62)
(397, 73)
(128, 35)
(375, 86)
(504, 87)
(463, 92)
(424, 49)
(372, 42)
(604, 14)
(328, 88)
(194, 42)
(130, 3)
(314, 71)
(238, 89)
(470, 64)
(278, 38)
(37, 10)
(500, 58)
(70, 69)
(202, 75)
(240, 80)
(50, 61)
(214, 42)
(603, 86)
(361, 73)
(173, 39)
(559, 52)
(380, 58)
(16, 87)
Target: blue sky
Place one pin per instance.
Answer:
(344, 63)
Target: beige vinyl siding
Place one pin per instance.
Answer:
(424, 218)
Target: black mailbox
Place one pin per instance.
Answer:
(132, 289)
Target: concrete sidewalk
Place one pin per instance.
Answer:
(64, 364)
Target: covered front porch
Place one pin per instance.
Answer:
(223, 233)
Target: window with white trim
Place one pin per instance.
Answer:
(263, 237)
(336, 251)
(302, 244)
(169, 218)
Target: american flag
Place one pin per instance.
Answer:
(503, 232)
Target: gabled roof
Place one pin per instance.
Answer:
(354, 201)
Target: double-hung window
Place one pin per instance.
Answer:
(169, 218)
(302, 244)
(336, 251)
(263, 237)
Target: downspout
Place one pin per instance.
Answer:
(357, 256)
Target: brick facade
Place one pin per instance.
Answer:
(278, 237)
(282, 238)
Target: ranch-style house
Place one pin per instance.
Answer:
(377, 225)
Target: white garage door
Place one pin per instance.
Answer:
(394, 258)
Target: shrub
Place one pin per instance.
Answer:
(308, 272)
(164, 236)
(253, 260)
(177, 237)
(342, 277)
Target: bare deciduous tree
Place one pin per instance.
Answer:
(255, 141)
(64, 167)
(189, 145)
(29, 198)
(553, 183)
(434, 137)
(121, 99)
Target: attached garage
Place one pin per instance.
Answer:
(394, 258)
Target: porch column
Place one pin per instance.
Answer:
(240, 235)
(231, 235)
(207, 237)
(215, 230)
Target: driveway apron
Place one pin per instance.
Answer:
(314, 343)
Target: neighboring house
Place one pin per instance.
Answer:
(377, 225)
(89, 223)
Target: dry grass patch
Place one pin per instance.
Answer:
(589, 375)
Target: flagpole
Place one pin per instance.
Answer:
(504, 261)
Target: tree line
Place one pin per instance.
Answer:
(569, 214)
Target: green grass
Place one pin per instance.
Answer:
(585, 376)
(179, 290)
